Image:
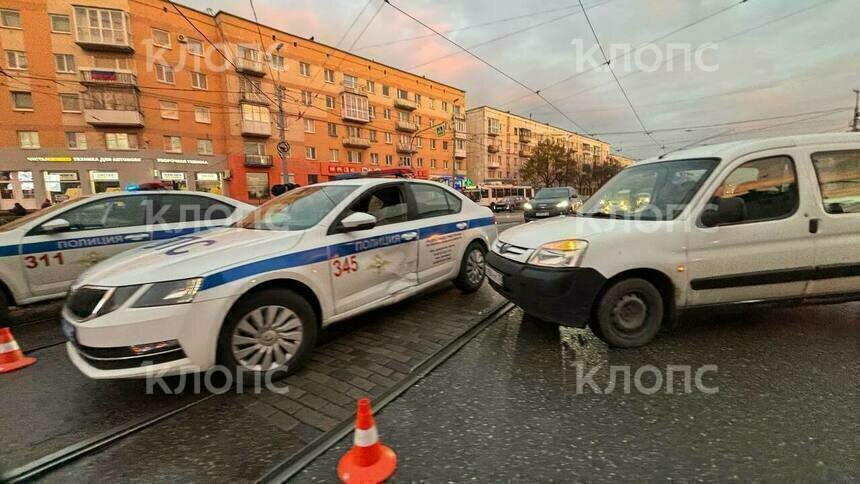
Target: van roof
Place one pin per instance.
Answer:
(736, 149)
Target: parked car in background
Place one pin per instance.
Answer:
(508, 204)
(42, 253)
(552, 202)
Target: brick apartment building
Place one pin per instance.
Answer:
(502, 142)
(97, 95)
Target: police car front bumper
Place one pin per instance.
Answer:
(102, 348)
(563, 296)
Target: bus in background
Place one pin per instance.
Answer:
(500, 197)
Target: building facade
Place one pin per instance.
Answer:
(501, 142)
(95, 98)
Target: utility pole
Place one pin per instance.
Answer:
(454, 144)
(856, 125)
(283, 146)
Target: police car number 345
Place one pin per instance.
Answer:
(254, 296)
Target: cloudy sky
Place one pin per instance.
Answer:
(791, 64)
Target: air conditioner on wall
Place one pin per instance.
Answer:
(226, 175)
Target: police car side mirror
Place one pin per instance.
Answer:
(357, 221)
(56, 225)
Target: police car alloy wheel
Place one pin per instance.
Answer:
(629, 314)
(472, 269)
(273, 330)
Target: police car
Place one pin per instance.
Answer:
(43, 252)
(253, 297)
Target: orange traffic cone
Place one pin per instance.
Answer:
(11, 356)
(368, 461)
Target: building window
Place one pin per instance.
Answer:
(389, 160)
(350, 82)
(401, 94)
(419, 162)
(371, 87)
(102, 26)
(445, 145)
(169, 109)
(355, 107)
(76, 140)
(202, 114)
(161, 38)
(373, 134)
(198, 81)
(374, 158)
(386, 114)
(418, 142)
(329, 76)
(65, 63)
(418, 100)
(22, 101)
(310, 126)
(307, 98)
(388, 138)
(70, 103)
(204, 147)
(258, 185)
(172, 144)
(310, 153)
(329, 102)
(371, 112)
(16, 59)
(432, 144)
(164, 73)
(10, 18)
(432, 163)
(332, 129)
(405, 161)
(333, 155)
(194, 47)
(277, 62)
(103, 62)
(305, 69)
(444, 106)
(386, 90)
(60, 24)
(353, 156)
(121, 141)
(28, 140)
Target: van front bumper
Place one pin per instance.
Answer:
(562, 295)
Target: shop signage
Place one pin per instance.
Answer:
(96, 159)
(181, 161)
(207, 176)
(342, 169)
(172, 176)
(104, 176)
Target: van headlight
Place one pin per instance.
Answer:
(563, 253)
(170, 292)
(563, 204)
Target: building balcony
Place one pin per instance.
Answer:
(461, 134)
(250, 66)
(525, 137)
(405, 104)
(459, 153)
(257, 129)
(356, 142)
(354, 89)
(492, 164)
(356, 115)
(129, 117)
(492, 149)
(406, 126)
(107, 77)
(405, 148)
(525, 153)
(258, 161)
(253, 97)
(91, 40)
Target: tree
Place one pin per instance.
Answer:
(548, 165)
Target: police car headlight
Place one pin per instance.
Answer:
(563, 253)
(563, 204)
(170, 292)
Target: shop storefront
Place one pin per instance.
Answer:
(209, 182)
(17, 187)
(62, 185)
(104, 181)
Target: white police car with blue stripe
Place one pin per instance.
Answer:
(43, 252)
(253, 297)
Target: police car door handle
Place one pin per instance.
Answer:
(409, 236)
(462, 226)
(137, 237)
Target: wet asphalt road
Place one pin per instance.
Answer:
(506, 408)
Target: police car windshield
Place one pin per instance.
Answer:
(299, 209)
(39, 213)
(654, 191)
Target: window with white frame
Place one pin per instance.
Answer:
(355, 107)
(307, 98)
(65, 63)
(329, 76)
(386, 114)
(371, 87)
(70, 103)
(60, 24)
(332, 129)
(16, 60)
(277, 62)
(389, 160)
(371, 112)
(333, 155)
(373, 136)
(198, 81)
(121, 141)
(28, 140)
(386, 90)
(164, 73)
(169, 109)
(194, 47)
(388, 138)
(172, 144)
(202, 114)
(22, 101)
(310, 153)
(204, 147)
(102, 26)
(350, 81)
(353, 156)
(10, 18)
(305, 69)
(76, 140)
(161, 38)
(310, 126)
(329, 102)
(374, 158)
(111, 62)
(402, 94)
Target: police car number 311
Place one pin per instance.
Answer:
(254, 296)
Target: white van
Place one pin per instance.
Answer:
(761, 221)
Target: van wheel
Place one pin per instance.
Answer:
(270, 332)
(473, 269)
(629, 314)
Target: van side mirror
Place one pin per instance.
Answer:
(56, 225)
(357, 221)
(724, 211)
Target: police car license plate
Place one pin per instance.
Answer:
(69, 331)
(494, 276)
(542, 214)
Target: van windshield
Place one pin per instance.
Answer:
(299, 209)
(654, 191)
